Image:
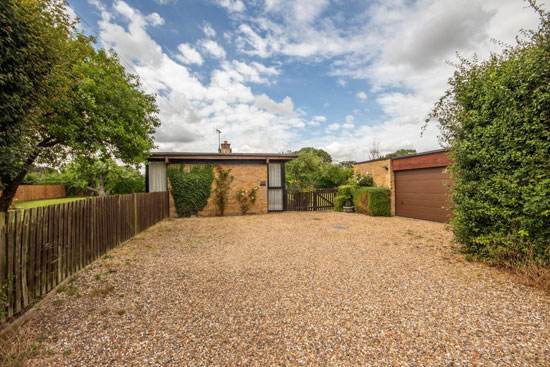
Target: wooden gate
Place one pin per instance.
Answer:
(322, 199)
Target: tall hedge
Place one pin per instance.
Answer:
(192, 189)
(495, 118)
(375, 201)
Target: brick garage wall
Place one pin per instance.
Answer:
(381, 176)
(246, 176)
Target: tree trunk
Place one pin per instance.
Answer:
(10, 190)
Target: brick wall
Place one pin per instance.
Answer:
(382, 175)
(246, 176)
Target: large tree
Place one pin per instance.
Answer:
(61, 97)
(495, 118)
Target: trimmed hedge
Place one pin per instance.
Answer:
(374, 201)
(339, 203)
(192, 189)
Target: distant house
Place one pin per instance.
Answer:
(417, 183)
(263, 170)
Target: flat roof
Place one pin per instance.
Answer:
(220, 156)
(406, 156)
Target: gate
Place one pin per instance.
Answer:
(316, 200)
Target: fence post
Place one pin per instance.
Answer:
(134, 214)
(3, 275)
(314, 201)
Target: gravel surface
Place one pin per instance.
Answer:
(291, 289)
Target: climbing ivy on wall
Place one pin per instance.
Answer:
(190, 190)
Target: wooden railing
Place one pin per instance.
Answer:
(40, 247)
(322, 199)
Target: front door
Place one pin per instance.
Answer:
(275, 187)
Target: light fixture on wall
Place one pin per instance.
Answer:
(386, 167)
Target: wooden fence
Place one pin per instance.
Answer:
(39, 192)
(322, 199)
(40, 247)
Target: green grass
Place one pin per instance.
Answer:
(37, 203)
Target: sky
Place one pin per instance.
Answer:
(277, 75)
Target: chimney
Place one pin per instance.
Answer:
(226, 148)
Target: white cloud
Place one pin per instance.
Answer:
(320, 118)
(361, 95)
(213, 48)
(155, 19)
(333, 127)
(208, 30)
(285, 107)
(232, 5)
(191, 109)
(188, 55)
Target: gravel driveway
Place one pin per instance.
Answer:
(290, 289)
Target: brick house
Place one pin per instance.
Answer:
(417, 183)
(263, 170)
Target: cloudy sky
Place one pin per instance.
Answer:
(278, 75)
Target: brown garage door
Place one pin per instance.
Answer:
(420, 193)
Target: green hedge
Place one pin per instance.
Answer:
(192, 189)
(339, 202)
(373, 201)
(495, 120)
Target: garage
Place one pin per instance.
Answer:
(421, 193)
(420, 186)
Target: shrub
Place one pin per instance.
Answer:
(363, 181)
(495, 120)
(345, 190)
(223, 180)
(339, 202)
(373, 201)
(190, 190)
(246, 199)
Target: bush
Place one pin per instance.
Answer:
(495, 120)
(339, 203)
(246, 198)
(345, 191)
(373, 201)
(221, 192)
(363, 181)
(190, 190)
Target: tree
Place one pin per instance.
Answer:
(400, 153)
(374, 150)
(301, 170)
(82, 103)
(347, 164)
(324, 155)
(495, 119)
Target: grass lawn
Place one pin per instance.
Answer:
(37, 203)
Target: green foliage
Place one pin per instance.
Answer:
(339, 202)
(361, 180)
(400, 153)
(373, 201)
(301, 171)
(322, 154)
(190, 190)
(246, 198)
(495, 119)
(129, 180)
(221, 192)
(63, 97)
(312, 169)
(345, 191)
(347, 164)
